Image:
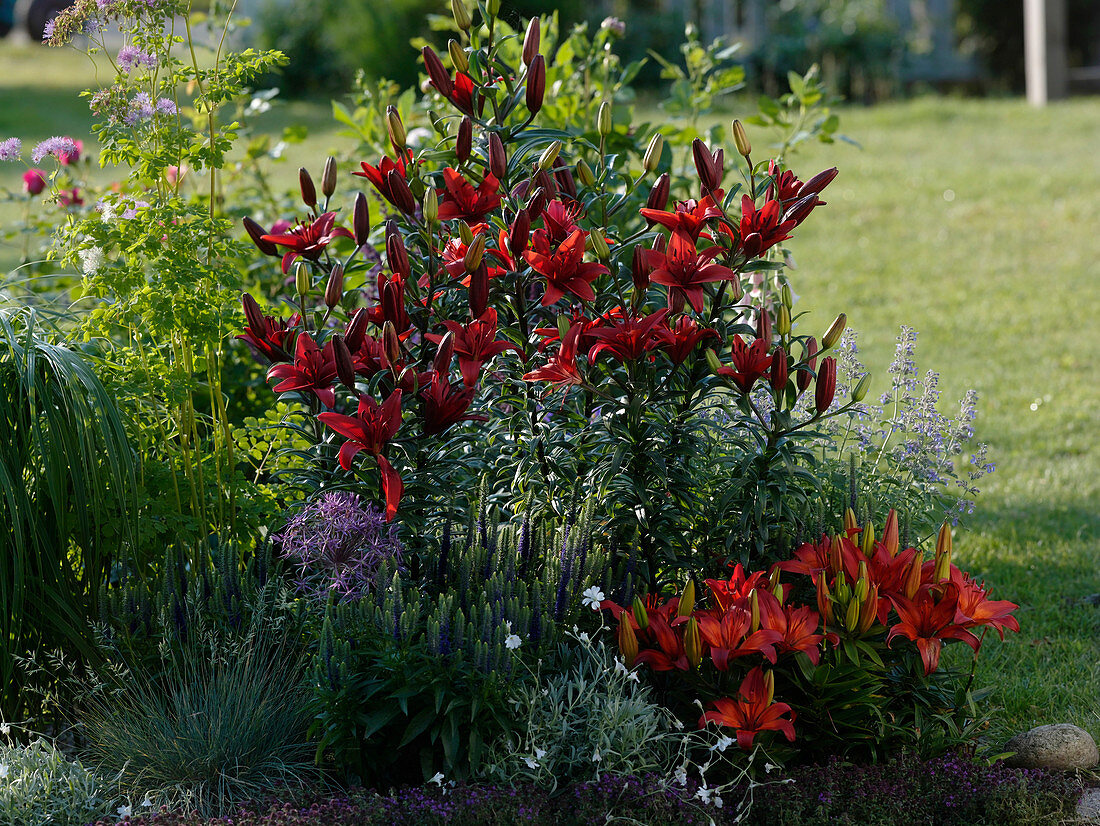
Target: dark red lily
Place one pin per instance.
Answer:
(379, 175)
(762, 229)
(373, 426)
(308, 240)
(684, 269)
(928, 621)
(560, 220)
(391, 305)
(749, 363)
(313, 369)
(737, 589)
(265, 333)
(475, 343)
(561, 369)
(752, 712)
(445, 404)
(680, 340)
(459, 199)
(690, 216)
(626, 338)
(565, 269)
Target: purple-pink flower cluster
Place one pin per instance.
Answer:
(131, 57)
(10, 149)
(57, 146)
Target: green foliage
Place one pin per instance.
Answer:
(707, 75)
(38, 784)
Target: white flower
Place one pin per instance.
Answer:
(703, 793)
(539, 753)
(531, 762)
(512, 642)
(723, 743)
(3, 771)
(681, 776)
(437, 778)
(620, 668)
(770, 767)
(5, 729)
(123, 811)
(583, 637)
(718, 803)
(596, 756)
(592, 597)
(91, 260)
(147, 803)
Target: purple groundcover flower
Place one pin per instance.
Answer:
(56, 146)
(338, 545)
(10, 149)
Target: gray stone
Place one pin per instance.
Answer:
(1088, 809)
(1060, 747)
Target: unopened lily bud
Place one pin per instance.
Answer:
(786, 297)
(391, 344)
(943, 553)
(825, 388)
(437, 72)
(809, 355)
(783, 320)
(687, 600)
(563, 177)
(693, 643)
(396, 254)
(764, 325)
(465, 233)
(584, 172)
(658, 196)
(328, 177)
(493, 7)
(754, 613)
(851, 526)
(355, 332)
(395, 127)
(603, 119)
(777, 591)
(599, 246)
(549, 155)
(824, 598)
(302, 280)
(867, 540)
(779, 371)
(868, 611)
(465, 139)
(536, 84)
(345, 367)
(801, 209)
(628, 640)
(334, 287)
(863, 583)
(498, 160)
(257, 233)
(519, 233)
(641, 616)
(458, 56)
(817, 183)
(444, 353)
(360, 220)
(639, 269)
(563, 326)
(741, 139)
(859, 392)
(769, 687)
(653, 152)
(712, 361)
(912, 580)
(474, 253)
(536, 204)
(402, 196)
(832, 336)
(851, 616)
(531, 41)
(545, 182)
(842, 590)
(305, 184)
(461, 15)
(704, 165)
(835, 556)
(890, 534)
(479, 291)
(430, 207)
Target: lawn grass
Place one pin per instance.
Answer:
(972, 221)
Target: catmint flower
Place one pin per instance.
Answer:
(10, 149)
(141, 108)
(512, 642)
(592, 598)
(131, 57)
(47, 31)
(56, 146)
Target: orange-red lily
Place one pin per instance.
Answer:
(752, 712)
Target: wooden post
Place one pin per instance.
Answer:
(1045, 50)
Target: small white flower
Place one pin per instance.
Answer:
(147, 803)
(677, 724)
(539, 753)
(703, 793)
(718, 802)
(593, 597)
(278, 149)
(681, 776)
(583, 637)
(620, 668)
(3, 771)
(723, 743)
(512, 642)
(123, 811)
(596, 756)
(770, 767)
(91, 260)
(437, 778)
(531, 762)
(5, 729)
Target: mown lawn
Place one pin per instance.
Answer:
(974, 222)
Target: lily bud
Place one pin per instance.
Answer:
(641, 616)
(704, 165)
(395, 127)
(396, 254)
(639, 269)
(867, 540)
(801, 208)
(824, 598)
(599, 246)
(863, 583)
(479, 291)
(868, 611)
(531, 41)
(825, 388)
(360, 220)
(843, 591)
(779, 371)
(402, 195)
(658, 196)
(334, 288)
(783, 320)
(628, 640)
(546, 183)
(563, 177)
(943, 553)
(859, 392)
(437, 72)
(693, 643)
(536, 84)
(302, 280)
(741, 139)
(474, 253)
(461, 15)
(391, 344)
(890, 534)
(851, 616)
(257, 233)
(835, 556)
(549, 155)
(464, 141)
(355, 332)
(777, 591)
(712, 361)
(328, 177)
(769, 687)
(458, 56)
(519, 233)
(430, 207)
(817, 183)
(465, 233)
(345, 367)
(563, 327)
(444, 353)
(493, 7)
(305, 184)
(851, 526)
(652, 156)
(912, 580)
(786, 297)
(833, 334)
(253, 314)
(754, 601)
(809, 355)
(687, 599)
(537, 202)
(603, 119)
(498, 160)
(584, 172)
(764, 325)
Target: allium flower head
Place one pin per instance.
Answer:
(10, 149)
(338, 545)
(56, 146)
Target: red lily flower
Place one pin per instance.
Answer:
(976, 609)
(370, 429)
(690, 216)
(379, 175)
(391, 306)
(561, 369)
(797, 626)
(565, 270)
(266, 333)
(370, 359)
(627, 338)
(784, 182)
(475, 343)
(737, 589)
(459, 199)
(752, 712)
(454, 258)
(680, 340)
(749, 363)
(560, 220)
(445, 405)
(928, 621)
(727, 634)
(462, 94)
(310, 240)
(684, 269)
(584, 340)
(761, 229)
(313, 369)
